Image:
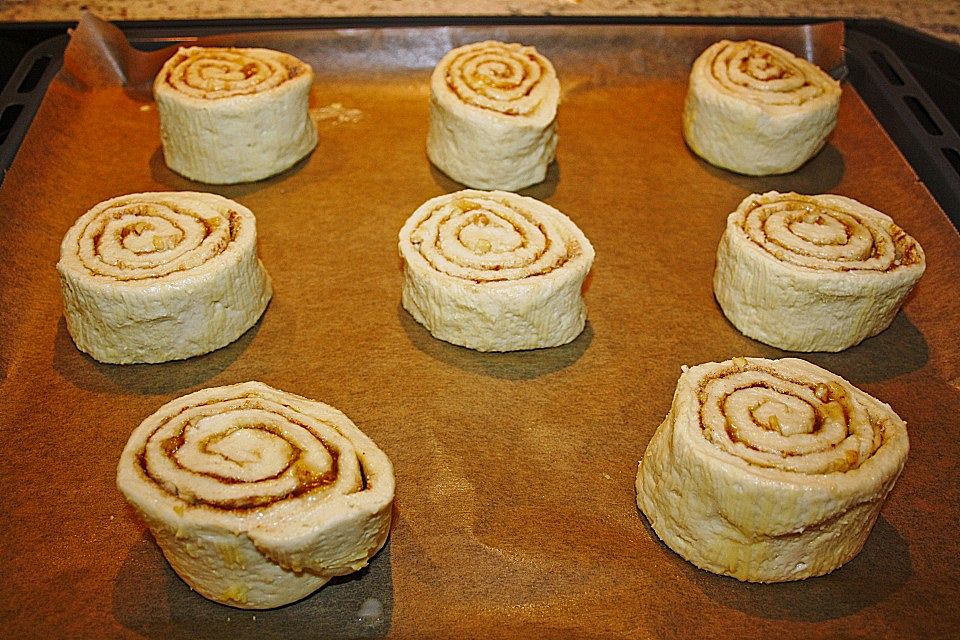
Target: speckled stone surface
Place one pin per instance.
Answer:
(939, 18)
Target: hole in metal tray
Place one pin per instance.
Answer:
(888, 71)
(953, 157)
(32, 79)
(923, 116)
(8, 119)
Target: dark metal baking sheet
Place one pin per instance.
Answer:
(515, 504)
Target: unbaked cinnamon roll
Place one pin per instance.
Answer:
(152, 277)
(813, 273)
(493, 110)
(258, 497)
(233, 115)
(494, 271)
(757, 109)
(769, 470)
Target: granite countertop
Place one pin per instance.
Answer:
(938, 18)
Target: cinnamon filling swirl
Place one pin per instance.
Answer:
(484, 239)
(762, 73)
(815, 233)
(505, 78)
(138, 240)
(213, 73)
(769, 470)
(848, 267)
(495, 271)
(247, 453)
(775, 421)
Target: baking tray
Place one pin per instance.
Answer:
(515, 511)
(908, 79)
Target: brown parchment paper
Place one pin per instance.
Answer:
(515, 507)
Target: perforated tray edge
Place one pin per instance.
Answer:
(23, 93)
(914, 122)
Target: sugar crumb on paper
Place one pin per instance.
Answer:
(335, 113)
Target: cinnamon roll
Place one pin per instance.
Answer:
(233, 115)
(813, 273)
(152, 277)
(257, 497)
(494, 271)
(769, 470)
(493, 110)
(757, 109)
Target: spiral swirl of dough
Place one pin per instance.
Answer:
(495, 271)
(511, 79)
(811, 425)
(493, 115)
(756, 109)
(785, 464)
(492, 238)
(234, 115)
(153, 277)
(256, 496)
(212, 73)
(766, 74)
(250, 449)
(826, 233)
(144, 236)
(848, 266)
